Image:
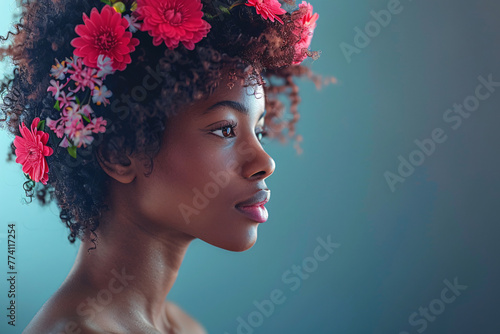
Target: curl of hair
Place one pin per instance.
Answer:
(79, 186)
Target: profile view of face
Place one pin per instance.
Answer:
(202, 171)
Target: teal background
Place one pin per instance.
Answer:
(396, 248)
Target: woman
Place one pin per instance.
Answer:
(143, 121)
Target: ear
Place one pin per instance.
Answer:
(124, 171)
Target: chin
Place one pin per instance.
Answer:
(237, 241)
(243, 247)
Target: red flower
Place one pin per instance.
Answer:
(104, 34)
(173, 21)
(306, 23)
(268, 9)
(31, 152)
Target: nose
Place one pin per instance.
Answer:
(257, 163)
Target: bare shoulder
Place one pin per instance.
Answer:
(57, 316)
(187, 323)
(59, 325)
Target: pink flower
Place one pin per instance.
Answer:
(64, 143)
(79, 134)
(86, 110)
(75, 65)
(55, 88)
(83, 76)
(71, 114)
(31, 151)
(306, 23)
(104, 33)
(173, 21)
(268, 9)
(71, 126)
(57, 126)
(65, 99)
(98, 125)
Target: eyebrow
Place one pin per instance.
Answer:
(233, 105)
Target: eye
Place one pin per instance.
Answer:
(225, 129)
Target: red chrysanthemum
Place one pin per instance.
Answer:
(306, 23)
(268, 9)
(31, 151)
(104, 34)
(173, 21)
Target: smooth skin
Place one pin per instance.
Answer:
(122, 286)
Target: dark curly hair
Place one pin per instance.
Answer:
(239, 38)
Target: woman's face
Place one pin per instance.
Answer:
(203, 171)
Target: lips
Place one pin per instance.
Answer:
(254, 208)
(261, 197)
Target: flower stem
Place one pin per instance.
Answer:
(241, 2)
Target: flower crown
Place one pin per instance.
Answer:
(104, 46)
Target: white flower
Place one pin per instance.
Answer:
(133, 24)
(101, 95)
(104, 63)
(59, 70)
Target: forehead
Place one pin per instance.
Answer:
(238, 84)
(245, 91)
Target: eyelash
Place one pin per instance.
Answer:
(233, 125)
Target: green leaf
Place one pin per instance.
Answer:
(107, 2)
(56, 106)
(41, 125)
(77, 99)
(72, 151)
(225, 10)
(86, 118)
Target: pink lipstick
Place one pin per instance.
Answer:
(254, 207)
(255, 212)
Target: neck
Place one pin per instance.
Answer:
(137, 267)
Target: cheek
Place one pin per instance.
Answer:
(192, 189)
(182, 189)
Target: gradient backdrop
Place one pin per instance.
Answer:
(396, 250)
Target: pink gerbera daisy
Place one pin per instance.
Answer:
(306, 23)
(31, 151)
(173, 21)
(268, 9)
(104, 34)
